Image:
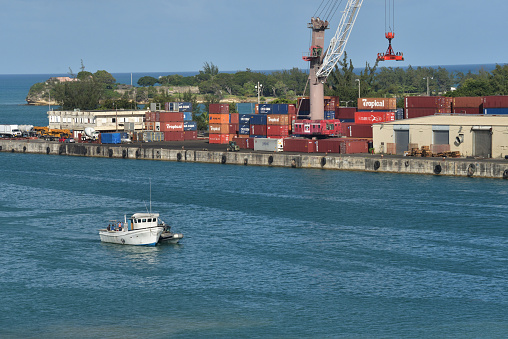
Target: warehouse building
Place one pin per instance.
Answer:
(471, 135)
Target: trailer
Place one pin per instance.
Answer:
(10, 131)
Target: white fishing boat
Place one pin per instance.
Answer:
(139, 229)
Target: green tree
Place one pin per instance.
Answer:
(84, 94)
(147, 81)
(105, 78)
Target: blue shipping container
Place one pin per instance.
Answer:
(329, 115)
(246, 108)
(244, 119)
(244, 129)
(185, 106)
(495, 111)
(257, 119)
(190, 126)
(280, 109)
(265, 109)
(111, 138)
(257, 136)
(187, 116)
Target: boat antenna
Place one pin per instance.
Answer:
(150, 196)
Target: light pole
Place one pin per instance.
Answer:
(358, 87)
(428, 93)
(258, 88)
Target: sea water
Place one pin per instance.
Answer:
(267, 252)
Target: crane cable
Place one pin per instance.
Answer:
(327, 10)
(390, 16)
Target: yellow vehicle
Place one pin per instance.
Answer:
(52, 134)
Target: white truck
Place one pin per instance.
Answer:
(10, 131)
(90, 134)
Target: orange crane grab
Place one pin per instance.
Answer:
(390, 54)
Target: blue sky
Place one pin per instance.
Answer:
(49, 36)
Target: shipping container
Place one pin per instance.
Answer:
(187, 116)
(171, 107)
(244, 129)
(356, 130)
(265, 109)
(467, 110)
(354, 146)
(291, 109)
(174, 136)
(331, 145)
(218, 138)
(277, 119)
(244, 119)
(275, 130)
(246, 108)
(428, 102)
(151, 136)
(470, 102)
(190, 135)
(492, 111)
(383, 104)
(150, 126)
(345, 113)
(111, 138)
(218, 128)
(299, 145)
(373, 117)
(268, 145)
(233, 128)
(218, 109)
(170, 117)
(258, 130)
(172, 126)
(399, 114)
(185, 107)
(190, 126)
(218, 118)
(258, 119)
(245, 143)
(497, 101)
(419, 112)
(329, 115)
(234, 118)
(280, 109)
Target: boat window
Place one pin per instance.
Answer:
(139, 220)
(149, 220)
(144, 220)
(134, 221)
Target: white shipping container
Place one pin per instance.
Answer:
(268, 145)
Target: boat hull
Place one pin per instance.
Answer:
(140, 237)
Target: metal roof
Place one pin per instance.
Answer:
(455, 120)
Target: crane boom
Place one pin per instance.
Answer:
(339, 41)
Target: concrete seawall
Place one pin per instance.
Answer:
(487, 168)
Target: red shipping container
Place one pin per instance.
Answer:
(496, 101)
(174, 136)
(257, 129)
(150, 126)
(218, 109)
(356, 131)
(218, 119)
(354, 146)
(218, 139)
(246, 143)
(218, 128)
(471, 102)
(329, 145)
(419, 112)
(170, 117)
(273, 131)
(234, 118)
(383, 104)
(345, 113)
(171, 126)
(467, 110)
(233, 128)
(373, 117)
(190, 135)
(299, 145)
(291, 109)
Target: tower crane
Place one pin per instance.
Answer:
(323, 62)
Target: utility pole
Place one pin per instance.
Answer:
(258, 88)
(428, 92)
(358, 88)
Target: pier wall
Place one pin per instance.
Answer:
(367, 163)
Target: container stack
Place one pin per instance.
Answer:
(258, 127)
(467, 105)
(416, 107)
(375, 110)
(173, 124)
(495, 104)
(346, 114)
(342, 146)
(331, 105)
(219, 120)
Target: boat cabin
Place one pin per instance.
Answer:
(143, 220)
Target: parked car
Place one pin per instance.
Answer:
(70, 140)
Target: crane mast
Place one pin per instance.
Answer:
(321, 64)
